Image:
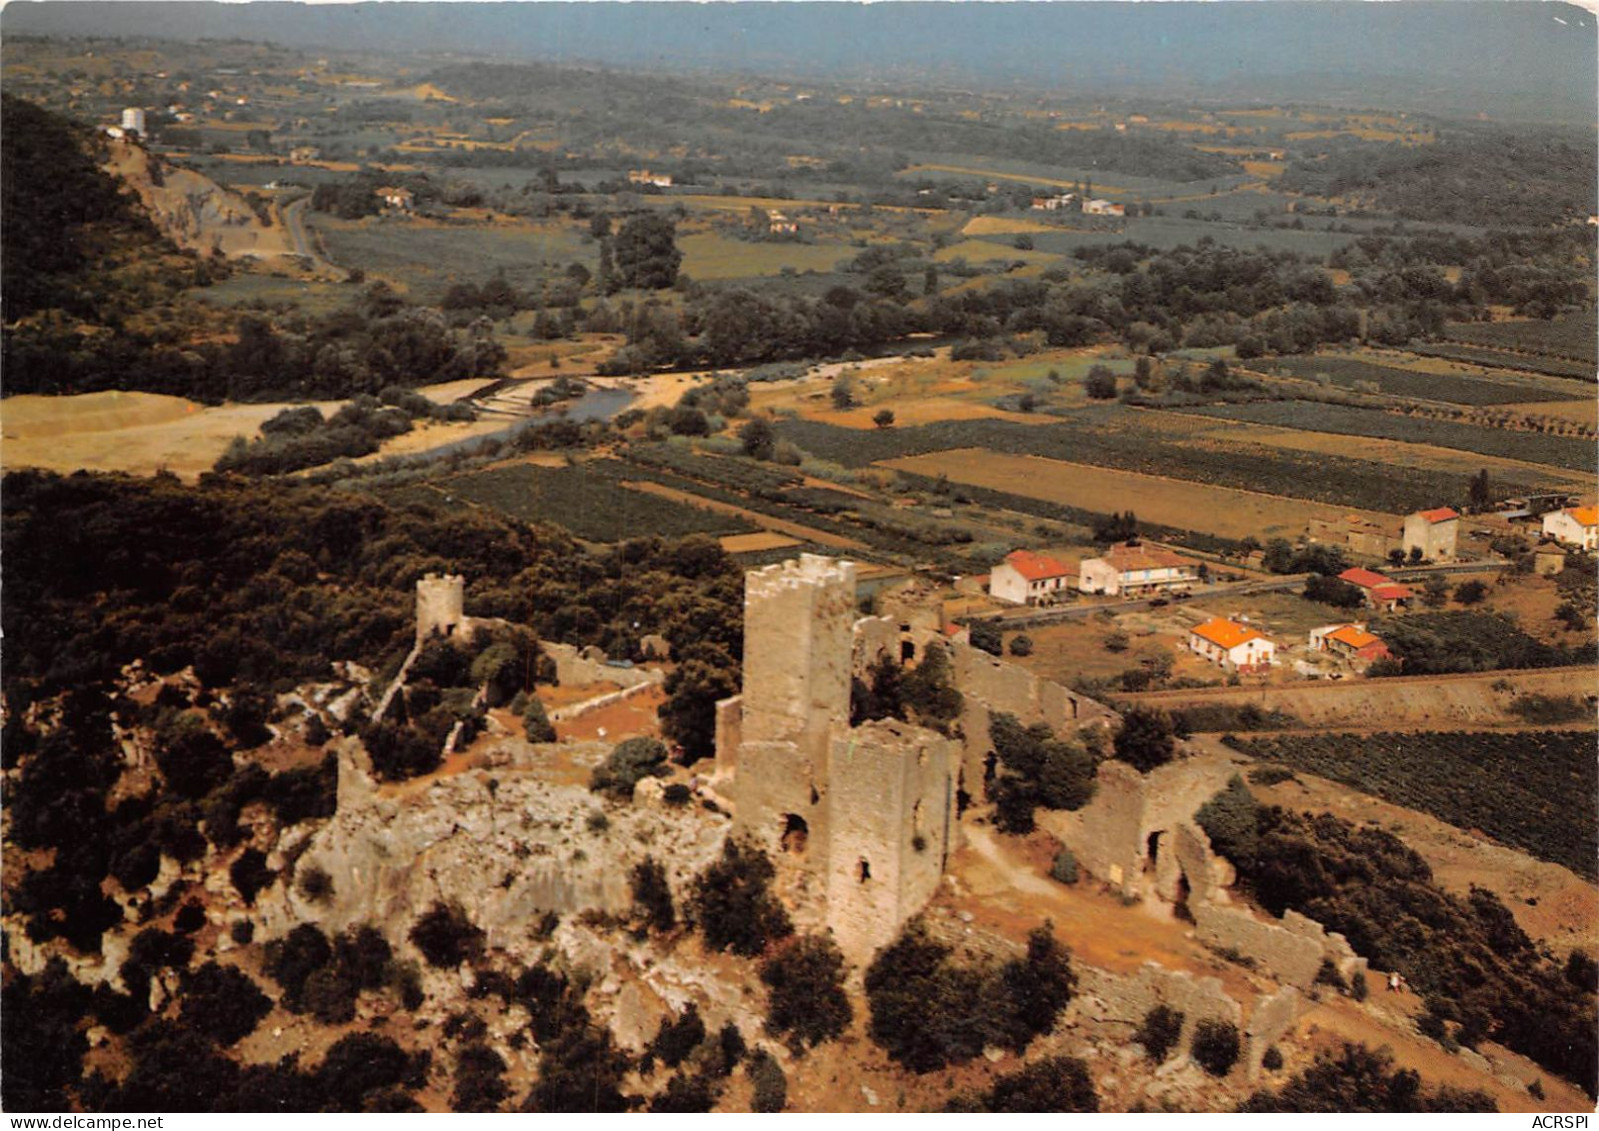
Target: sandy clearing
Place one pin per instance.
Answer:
(137, 433)
(1002, 226)
(451, 391)
(662, 390)
(1184, 505)
(752, 543)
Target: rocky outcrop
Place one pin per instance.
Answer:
(506, 844)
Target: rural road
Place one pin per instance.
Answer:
(293, 217)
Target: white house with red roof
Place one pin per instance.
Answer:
(1231, 646)
(1379, 592)
(1574, 526)
(1129, 568)
(1433, 532)
(1352, 642)
(1026, 578)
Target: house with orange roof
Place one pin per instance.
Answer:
(1351, 642)
(1378, 591)
(1026, 578)
(1574, 526)
(1433, 532)
(1231, 646)
(1131, 568)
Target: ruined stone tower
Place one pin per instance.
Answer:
(859, 820)
(440, 605)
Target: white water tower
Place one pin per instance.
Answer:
(133, 120)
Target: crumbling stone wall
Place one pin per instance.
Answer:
(1123, 999)
(990, 685)
(588, 665)
(1133, 814)
(1273, 1018)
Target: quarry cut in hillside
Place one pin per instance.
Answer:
(194, 211)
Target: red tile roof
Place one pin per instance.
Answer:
(1036, 567)
(1441, 514)
(1364, 578)
(1354, 636)
(1126, 558)
(1392, 591)
(1225, 633)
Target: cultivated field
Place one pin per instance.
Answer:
(708, 255)
(1397, 453)
(1222, 511)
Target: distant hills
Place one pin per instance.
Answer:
(1529, 61)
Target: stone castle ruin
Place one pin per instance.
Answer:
(861, 820)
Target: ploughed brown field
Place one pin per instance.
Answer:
(1222, 511)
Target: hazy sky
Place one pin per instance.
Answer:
(1508, 57)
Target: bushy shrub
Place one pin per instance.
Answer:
(630, 762)
(223, 1003)
(771, 1086)
(806, 1003)
(1064, 868)
(1215, 1046)
(446, 937)
(652, 895)
(733, 905)
(1159, 1032)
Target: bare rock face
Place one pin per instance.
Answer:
(506, 845)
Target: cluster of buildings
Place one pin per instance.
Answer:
(1069, 202)
(1128, 569)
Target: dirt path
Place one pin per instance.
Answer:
(765, 521)
(1004, 891)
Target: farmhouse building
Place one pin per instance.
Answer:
(1574, 526)
(1379, 592)
(645, 177)
(1231, 646)
(1053, 203)
(399, 199)
(1359, 534)
(1130, 568)
(1025, 578)
(1351, 642)
(1103, 208)
(779, 224)
(1433, 532)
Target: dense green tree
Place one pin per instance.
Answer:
(645, 252)
(1145, 739)
(806, 1002)
(223, 1003)
(732, 902)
